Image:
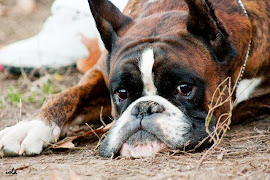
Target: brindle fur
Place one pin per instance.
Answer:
(91, 93)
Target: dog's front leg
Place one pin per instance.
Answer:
(84, 100)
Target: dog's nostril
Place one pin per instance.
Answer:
(157, 108)
(146, 108)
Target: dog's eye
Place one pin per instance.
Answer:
(121, 94)
(184, 89)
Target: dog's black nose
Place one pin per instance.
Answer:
(146, 108)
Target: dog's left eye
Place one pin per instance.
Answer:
(184, 89)
(121, 94)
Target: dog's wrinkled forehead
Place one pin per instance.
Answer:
(171, 45)
(158, 56)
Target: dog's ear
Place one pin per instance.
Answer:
(109, 21)
(203, 22)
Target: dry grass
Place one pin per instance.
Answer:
(223, 95)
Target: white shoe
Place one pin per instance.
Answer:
(59, 42)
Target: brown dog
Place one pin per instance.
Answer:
(165, 59)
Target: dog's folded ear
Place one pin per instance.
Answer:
(109, 21)
(203, 22)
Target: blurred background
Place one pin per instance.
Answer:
(20, 19)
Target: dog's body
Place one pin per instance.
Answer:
(164, 62)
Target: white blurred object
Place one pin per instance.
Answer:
(59, 42)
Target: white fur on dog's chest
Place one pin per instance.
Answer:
(246, 88)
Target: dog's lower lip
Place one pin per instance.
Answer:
(140, 150)
(141, 144)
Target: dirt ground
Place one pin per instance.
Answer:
(244, 153)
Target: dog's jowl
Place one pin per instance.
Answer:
(163, 63)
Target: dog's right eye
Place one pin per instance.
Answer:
(121, 94)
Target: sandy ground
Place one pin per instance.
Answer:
(244, 153)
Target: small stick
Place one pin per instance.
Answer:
(92, 130)
(100, 117)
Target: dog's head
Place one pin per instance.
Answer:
(163, 68)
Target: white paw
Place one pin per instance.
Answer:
(27, 137)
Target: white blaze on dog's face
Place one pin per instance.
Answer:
(146, 66)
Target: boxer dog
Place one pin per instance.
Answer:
(164, 61)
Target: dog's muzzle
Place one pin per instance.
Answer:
(147, 126)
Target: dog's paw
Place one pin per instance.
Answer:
(27, 138)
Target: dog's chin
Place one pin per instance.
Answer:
(141, 144)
